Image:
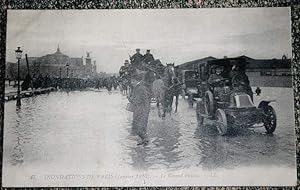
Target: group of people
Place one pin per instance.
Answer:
(235, 76)
(40, 81)
(138, 58)
(136, 61)
(140, 95)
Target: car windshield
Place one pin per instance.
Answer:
(191, 75)
(243, 101)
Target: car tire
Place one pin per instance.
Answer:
(270, 120)
(222, 124)
(209, 103)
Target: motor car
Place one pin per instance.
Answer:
(226, 98)
(189, 80)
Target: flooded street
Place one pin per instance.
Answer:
(89, 132)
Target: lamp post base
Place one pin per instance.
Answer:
(18, 102)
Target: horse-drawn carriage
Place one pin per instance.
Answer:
(189, 80)
(227, 98)
(164, 89)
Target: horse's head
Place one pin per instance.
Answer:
(169, 73)
(170, 70)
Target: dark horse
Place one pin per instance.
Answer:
(165, 88)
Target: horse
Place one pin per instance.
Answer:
(175, 90)
(158, 89)
(164, 88)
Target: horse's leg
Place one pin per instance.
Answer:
(176, 103)
(171, 104)
(164, 106)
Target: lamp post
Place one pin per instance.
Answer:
(60, 72)
(67, 65)
(18, 57)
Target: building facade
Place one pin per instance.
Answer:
(261, 72)
(56, 65)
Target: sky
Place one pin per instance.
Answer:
(173, 35)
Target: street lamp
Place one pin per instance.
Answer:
(18, 57)
(67, 70)
(60, 72)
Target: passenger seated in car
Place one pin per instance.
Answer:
(240, 81)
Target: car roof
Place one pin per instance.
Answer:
(228, 61)
(188, 71)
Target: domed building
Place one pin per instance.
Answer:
(57, 65)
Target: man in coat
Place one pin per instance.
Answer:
(148, 57)
(240, 81)
(137, 58)
(141, 107)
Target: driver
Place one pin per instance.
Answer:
(215, 80)
(215, 76)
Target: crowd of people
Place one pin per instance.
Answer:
(107, 82)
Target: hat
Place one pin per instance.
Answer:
(148, 50)
(126, 61)
(138, 49)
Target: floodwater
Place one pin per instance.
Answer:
(89, 132)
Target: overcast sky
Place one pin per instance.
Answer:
(173, 35)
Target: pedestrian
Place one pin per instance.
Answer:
(141, 107)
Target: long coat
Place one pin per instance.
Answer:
(141, 107)
(136, 59)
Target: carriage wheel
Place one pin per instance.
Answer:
(209, 103)
(222, 124)
(270, 120)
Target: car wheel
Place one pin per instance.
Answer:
(270, 120)
(222, 124)
(209, 103)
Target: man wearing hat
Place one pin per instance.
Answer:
(240, 81)
(148, 57)
(141, 106)
(124, 68)
(137, 58)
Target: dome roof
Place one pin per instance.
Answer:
(55, 58)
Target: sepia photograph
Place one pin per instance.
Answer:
(149, 97)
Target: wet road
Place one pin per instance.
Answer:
(90, 131)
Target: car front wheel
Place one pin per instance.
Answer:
(270, 120)
(222, 124)
(209, 103)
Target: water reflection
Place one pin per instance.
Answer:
(241, 146)
(60, 129)
(17, 153)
